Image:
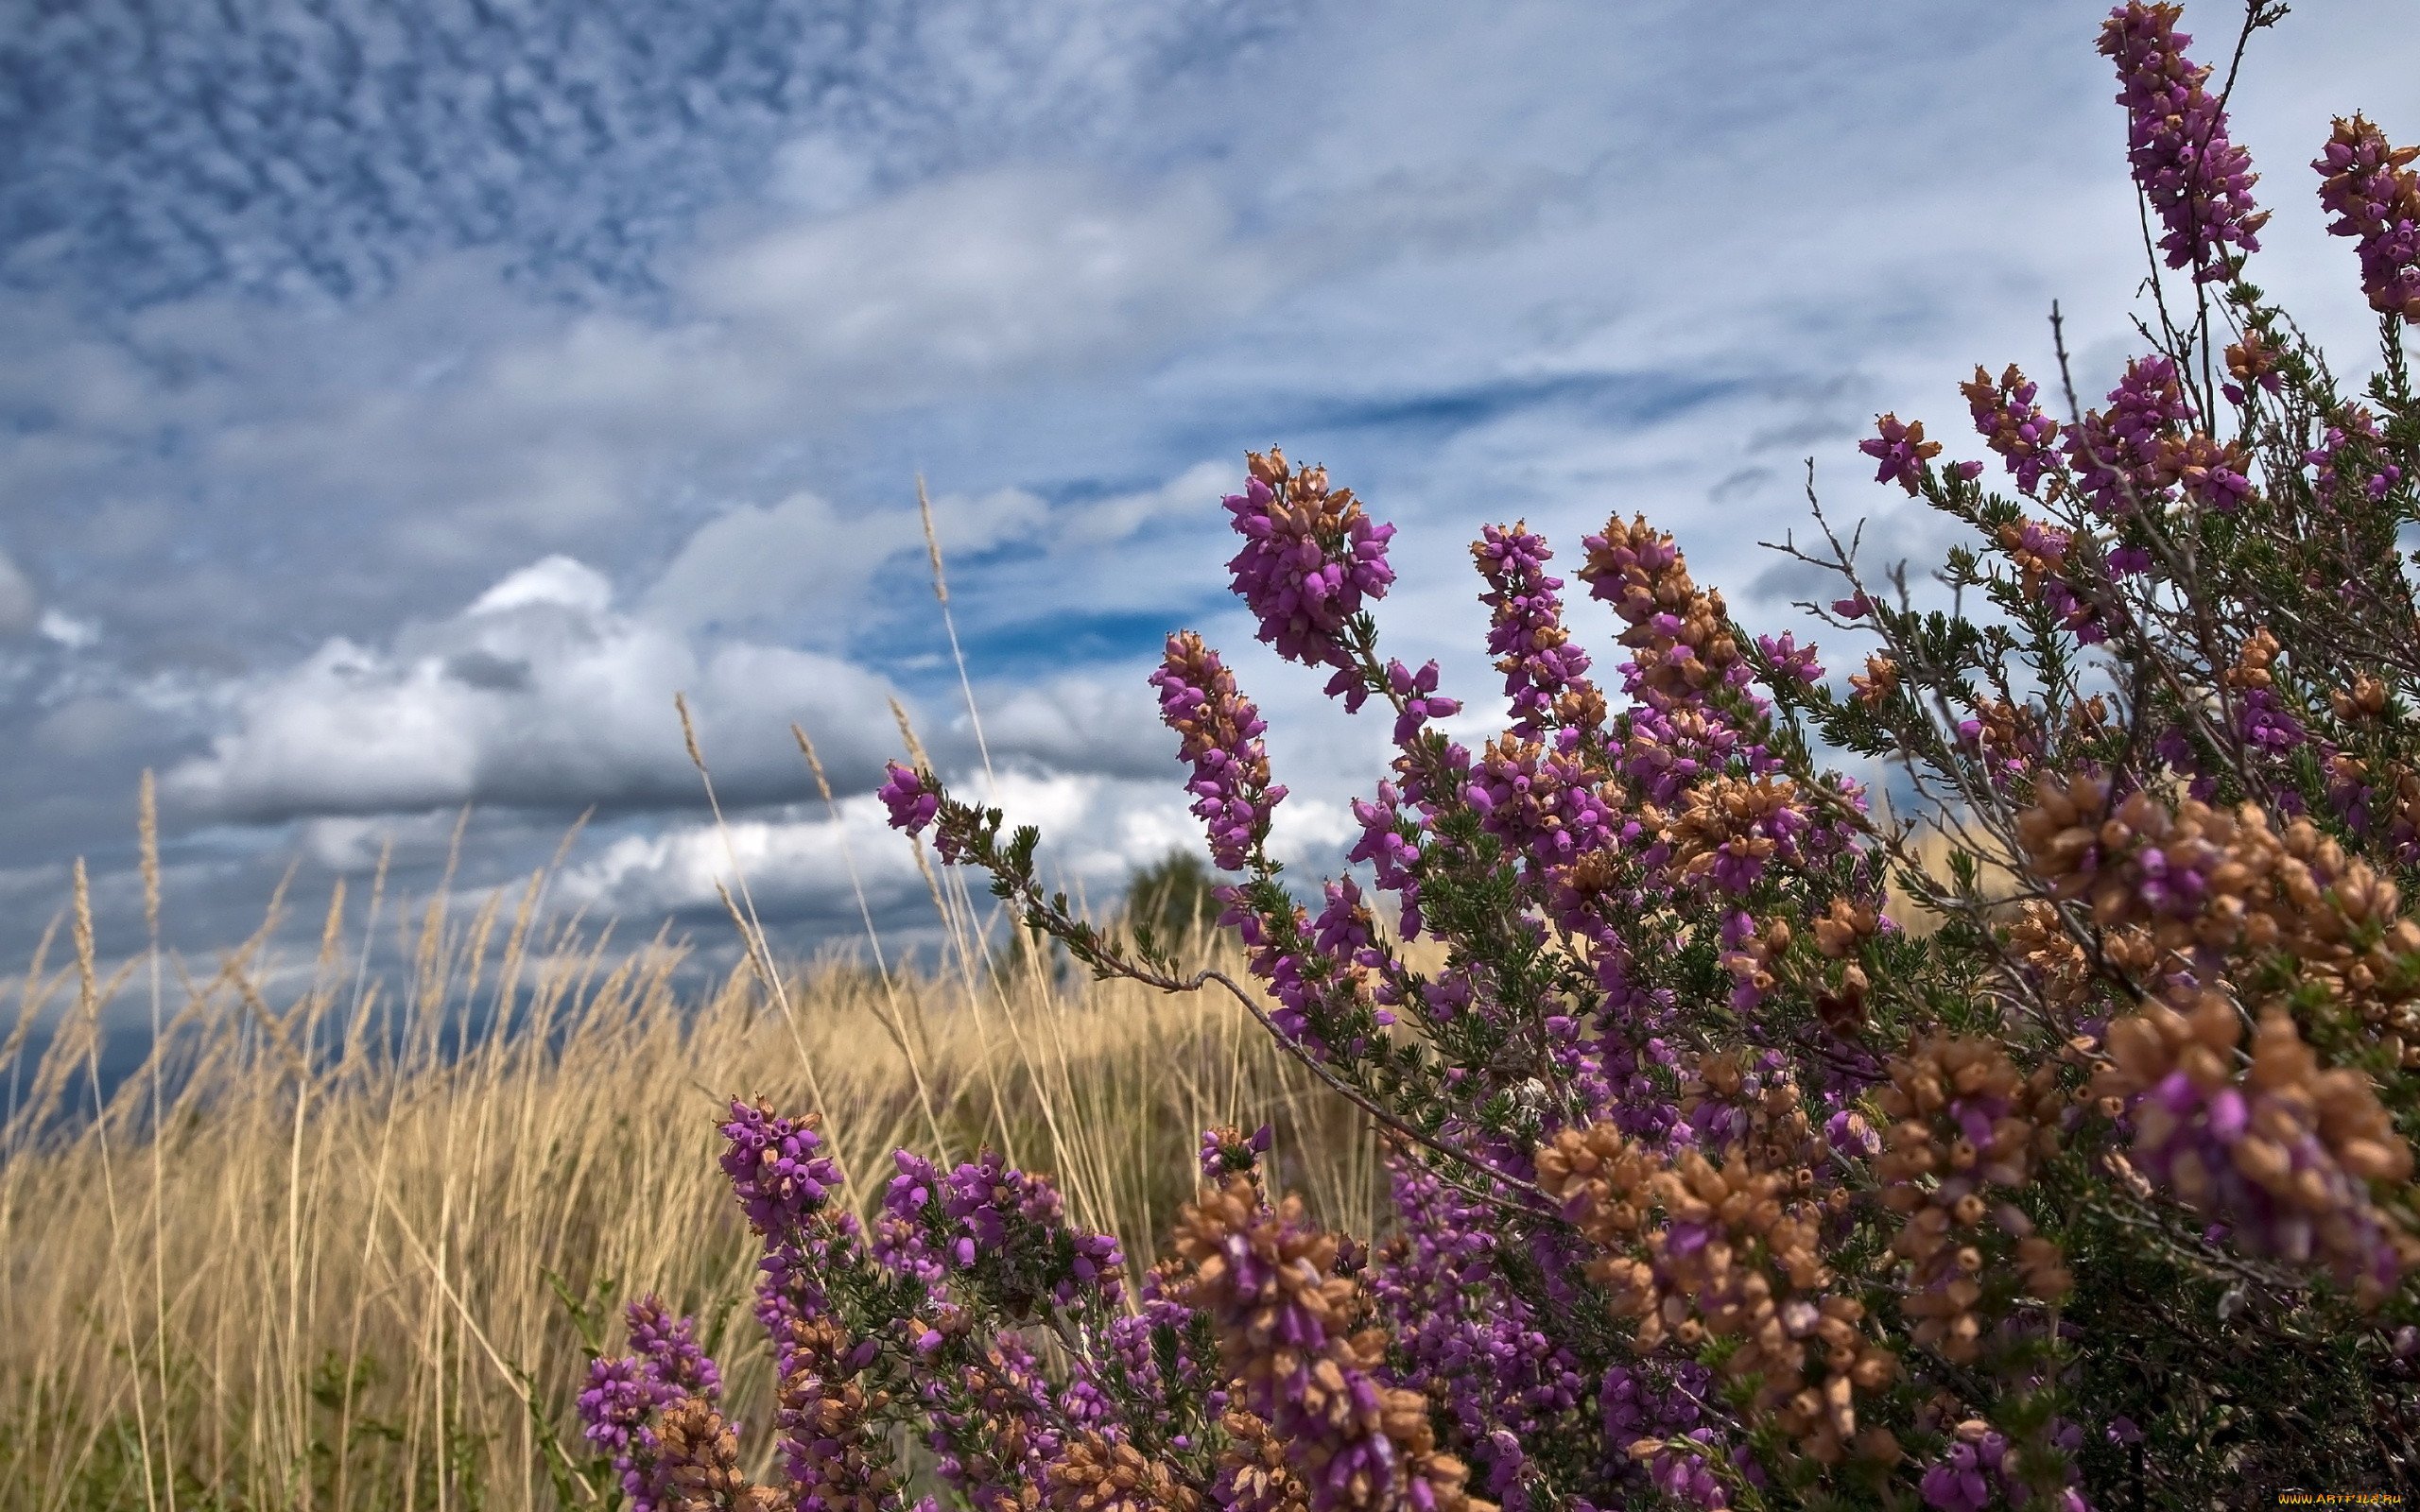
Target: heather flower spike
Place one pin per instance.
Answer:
(1221, 733)
(2197, 180)
(2369, 188)
(1311, 558)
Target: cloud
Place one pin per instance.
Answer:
(540, 695)
(19, 605)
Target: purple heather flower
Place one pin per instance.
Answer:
(1220, 732)
(1227, 1152)
(2374, 197)
(1311, 557)
(910, 798)
(2012, 424)
(1390, 854)
(613, 1412)
(668, 1349)
(1902, 449)
(2115, 453)
(1526, 635)
(2198, 180)
(1422, 702)
(1791, 659)
(777, 1167)
(2354, 438)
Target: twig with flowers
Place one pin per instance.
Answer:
(1714, 1186)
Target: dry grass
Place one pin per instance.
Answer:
(317, 1287)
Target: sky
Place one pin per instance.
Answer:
(405, 399)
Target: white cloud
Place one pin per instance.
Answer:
(541, 695)
(67, 631)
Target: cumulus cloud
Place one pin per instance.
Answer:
(540, 695)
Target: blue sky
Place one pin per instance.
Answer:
(405, 400)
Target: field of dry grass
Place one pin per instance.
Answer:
(333, 1280)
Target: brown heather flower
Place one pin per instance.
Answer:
(2251, 670)
(837, 1457)
(1093, 1474)
(1680, 631)
(2365, 699)
(2201, 880)
(1880, 678)
(1750, 961)
(1735, 820)
(1845, 927)
(1270, 1284)
(1252, 1469)
(1730, 1258)
(698, 1456)
(2043, 946)
(2284, 1152)
(2253, 362)
(1961, 1120)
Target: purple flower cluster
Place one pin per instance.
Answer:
(1220, 731)
(1980, 1470)
(668, 1347)
(2355, 435)
(2374, 197)
(1311, 558)
(1002, 1229)
(1472, 1346)
(1664, 1402)
(1416, 693)
(1391, 855)
(911, 799)
(2198, 180)
(2116, 452)
(1901, 448)
(777, 1166)
(2011, 425)
(1791, 659)
(1227, 1151)
(625, 1393)
(1541, 663)
(1319, 991)
(1541, 802)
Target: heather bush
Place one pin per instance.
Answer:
(1712, 1186)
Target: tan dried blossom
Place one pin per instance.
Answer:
(1845, 927)
(1750, 961)
(697, 1455)
(2252, 359)
(1726, 1255)
(1729, 815)
(2309, 1139)
(2251, 670)
(1960, 1119)
(1305, 506)
(2043, 948)
(1254, 1468)
(2198, 879)
(2364, 699)
(1646, 577)
(1094, 1474)
(1878, 682)
(1287, 1324)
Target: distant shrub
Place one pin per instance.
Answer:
(1714, 1187)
